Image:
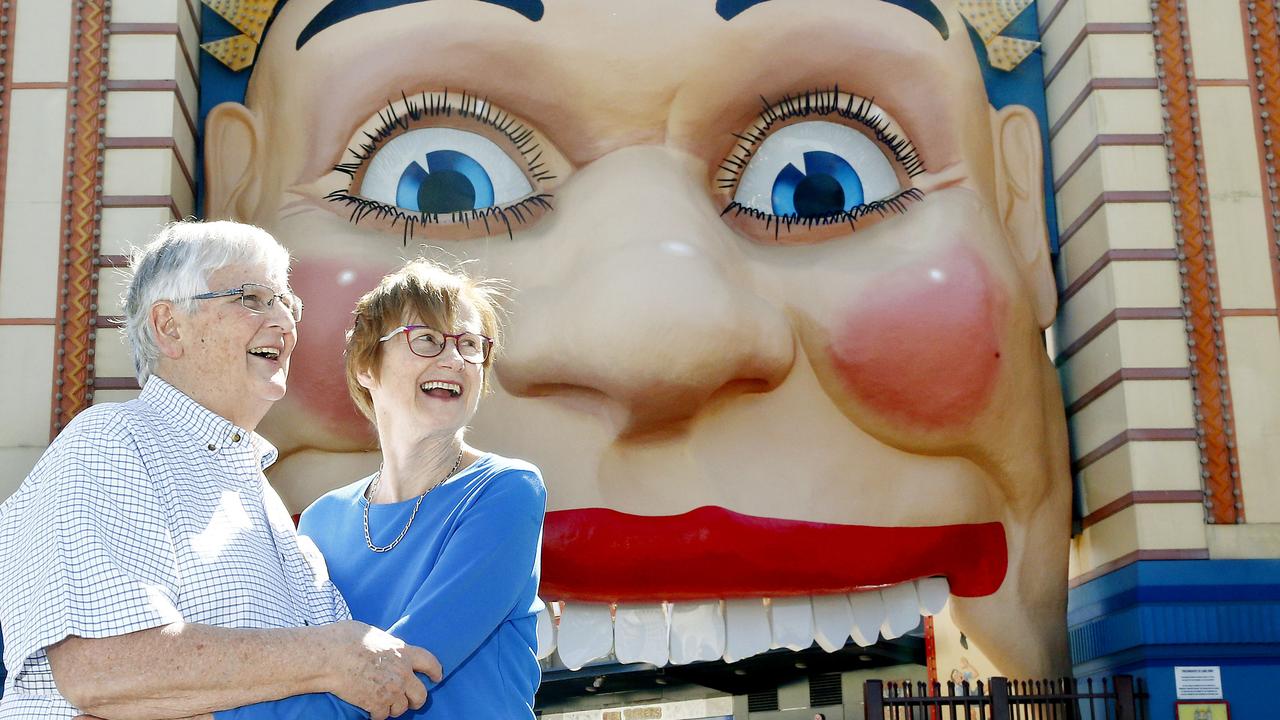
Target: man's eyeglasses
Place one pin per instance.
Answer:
(428, 342)
(258, 298)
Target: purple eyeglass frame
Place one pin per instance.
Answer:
(488, 341)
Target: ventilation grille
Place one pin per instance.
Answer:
(764, 701)
(825, 690)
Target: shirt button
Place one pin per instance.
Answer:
(235, 437)
(211, 447)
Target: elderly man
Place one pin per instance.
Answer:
(149, 569)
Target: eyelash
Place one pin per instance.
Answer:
(363, 207)
(896, 204)
(810, 103)
(438, 105)
(821, 103)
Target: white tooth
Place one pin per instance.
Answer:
(586, 633)
(697, 631)
(831, 620)
(747, 630)
(546, 633)
(867, 608)
(792, 622)
(932, 593)
(901, 610)
(640, 633)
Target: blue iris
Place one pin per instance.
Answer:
(451, 182)
(828, 186)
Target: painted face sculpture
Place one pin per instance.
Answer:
(780, 274)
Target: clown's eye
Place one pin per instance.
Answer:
(816, 169)
(448, 165)
(443, 170)
(821, 158)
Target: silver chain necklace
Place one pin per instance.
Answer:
(373, 489)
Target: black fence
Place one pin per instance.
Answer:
(1003, 699)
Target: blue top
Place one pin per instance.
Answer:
(462, 583)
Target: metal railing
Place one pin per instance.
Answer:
(1003, 699)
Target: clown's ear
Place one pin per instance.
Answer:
(233, 151)
(1019, 165)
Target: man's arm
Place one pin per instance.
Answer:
(182, 669)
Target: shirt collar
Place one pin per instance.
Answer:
(207, 429)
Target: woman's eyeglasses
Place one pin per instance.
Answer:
(428, 342)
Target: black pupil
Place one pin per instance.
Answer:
(819, 196)
(446, 191)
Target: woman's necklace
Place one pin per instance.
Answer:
(373, 490)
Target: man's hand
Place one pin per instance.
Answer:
(375, 671)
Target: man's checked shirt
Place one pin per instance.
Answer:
(142, 514)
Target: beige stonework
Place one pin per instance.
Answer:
(1140, 276)
(1245, 281)
(1139, 466)
(150, 157)
(123, 228)
(26, 383)
(42, 41)
(1115, 227)
(1253, 540)
(1216, 34)
(1253, 346)
(32, 202)
(1235, 197)
(1131, 404)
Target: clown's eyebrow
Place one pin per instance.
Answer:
(729, 9)
(339, 10)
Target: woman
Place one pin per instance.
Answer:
(441, 546)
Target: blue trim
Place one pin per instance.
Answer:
(1176, 624)
(340, 10)
(1151, 616)
(1024, 85)
(1163, 581)
(924, 9)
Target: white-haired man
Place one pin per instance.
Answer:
(149, 569)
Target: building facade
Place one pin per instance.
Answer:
(1162, 121)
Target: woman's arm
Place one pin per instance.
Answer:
(481, 572)
(316, 706)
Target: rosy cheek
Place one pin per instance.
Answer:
(922, 345)
(317, 374)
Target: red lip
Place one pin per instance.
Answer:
(605, 555)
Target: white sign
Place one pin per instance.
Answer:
(1202, 682)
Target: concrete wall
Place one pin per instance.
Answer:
(98, 150)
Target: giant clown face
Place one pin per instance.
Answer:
(780, 275)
